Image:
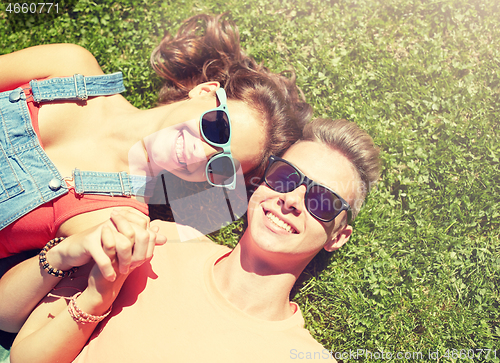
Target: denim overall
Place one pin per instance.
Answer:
(28, 178)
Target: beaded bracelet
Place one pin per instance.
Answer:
(81, 317)
(42, 258)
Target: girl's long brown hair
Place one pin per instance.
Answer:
(207, 48)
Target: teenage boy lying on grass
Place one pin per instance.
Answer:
(199, 301)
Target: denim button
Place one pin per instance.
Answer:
(15, 95)
(55, 184)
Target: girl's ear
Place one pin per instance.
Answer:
(339, 239)
(204, 88)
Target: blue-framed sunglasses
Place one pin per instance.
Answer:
(215, 127)
(321, 202)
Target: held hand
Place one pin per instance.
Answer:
(117, 239)
(133, 240)
(81, 248)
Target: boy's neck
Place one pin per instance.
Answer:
(253, 288)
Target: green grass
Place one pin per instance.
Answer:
(423, 78)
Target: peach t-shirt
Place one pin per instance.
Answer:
(171, 311)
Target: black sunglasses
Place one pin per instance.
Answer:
(215, 127)
(322, 202)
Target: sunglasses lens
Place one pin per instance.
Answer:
(215, 127)
(282, 177)
(322, 203)
(221, 170)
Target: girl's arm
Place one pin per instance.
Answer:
(51, 334)
(23, 286)
(42, 61)
(51, 319)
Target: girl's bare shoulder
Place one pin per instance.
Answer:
(43, 61)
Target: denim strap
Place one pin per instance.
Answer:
(77, 87)
(114, 184)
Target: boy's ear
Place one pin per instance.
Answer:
(339, 239)
(204, 88)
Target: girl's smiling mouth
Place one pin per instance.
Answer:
(179, 149)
